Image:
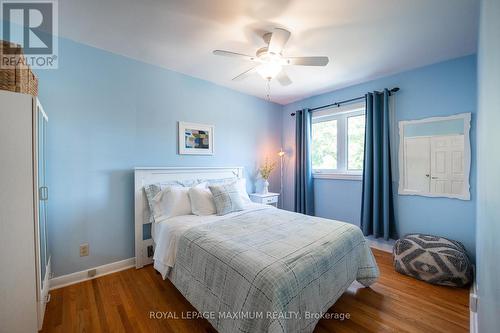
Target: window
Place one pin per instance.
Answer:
(338, 137)
(324, 147)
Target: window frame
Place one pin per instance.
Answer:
(341, 114)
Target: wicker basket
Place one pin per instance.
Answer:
(19, 78)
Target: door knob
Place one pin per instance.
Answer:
(434, 177)
(427, 175)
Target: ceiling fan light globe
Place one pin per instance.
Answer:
(268, 71)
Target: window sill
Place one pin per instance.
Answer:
(341, 176)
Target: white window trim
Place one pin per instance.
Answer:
(340, 114)
(337, 175)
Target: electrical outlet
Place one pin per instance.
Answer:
(84, 249)
(150, 251)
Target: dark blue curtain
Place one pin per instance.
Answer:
(377, 210)
(304, 195)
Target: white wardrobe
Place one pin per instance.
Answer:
(24, 250)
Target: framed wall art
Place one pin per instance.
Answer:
(196, 139)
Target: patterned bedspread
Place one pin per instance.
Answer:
(270, 270)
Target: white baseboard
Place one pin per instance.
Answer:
(381, 244)
(68, 279)
(473, 322)
(473, 298)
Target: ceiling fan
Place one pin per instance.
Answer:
(269, 60)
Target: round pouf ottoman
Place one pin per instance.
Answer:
(433, 259)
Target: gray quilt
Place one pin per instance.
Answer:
(270, 270)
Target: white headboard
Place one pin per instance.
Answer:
(146, 176)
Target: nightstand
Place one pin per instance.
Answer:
(268, 198)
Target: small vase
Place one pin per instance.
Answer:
(265, 188)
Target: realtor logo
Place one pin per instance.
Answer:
(33, 26)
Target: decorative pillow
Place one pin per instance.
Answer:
(202, 200)
(241, 184)
(227, 198)
(433, 259)
(171, 201)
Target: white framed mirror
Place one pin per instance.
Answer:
(435, 156)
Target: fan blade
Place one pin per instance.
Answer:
(278, 40)
(307, 61)
(283, 79)
(245, 74)
(233, 54)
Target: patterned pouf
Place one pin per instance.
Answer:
(433, 259)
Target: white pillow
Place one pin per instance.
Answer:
(202, 200)
(171, 201)
(241, 184)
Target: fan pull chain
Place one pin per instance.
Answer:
(268, 97)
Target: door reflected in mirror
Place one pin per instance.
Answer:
(434, 157)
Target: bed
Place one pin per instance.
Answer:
(258, 270)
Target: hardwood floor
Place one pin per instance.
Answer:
(121, 302)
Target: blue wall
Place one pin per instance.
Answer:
(337, 199)
(109, 114)
(438, 90)
(488, 205)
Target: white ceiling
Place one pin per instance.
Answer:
(364, 39)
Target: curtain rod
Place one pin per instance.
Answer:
(337, 104)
